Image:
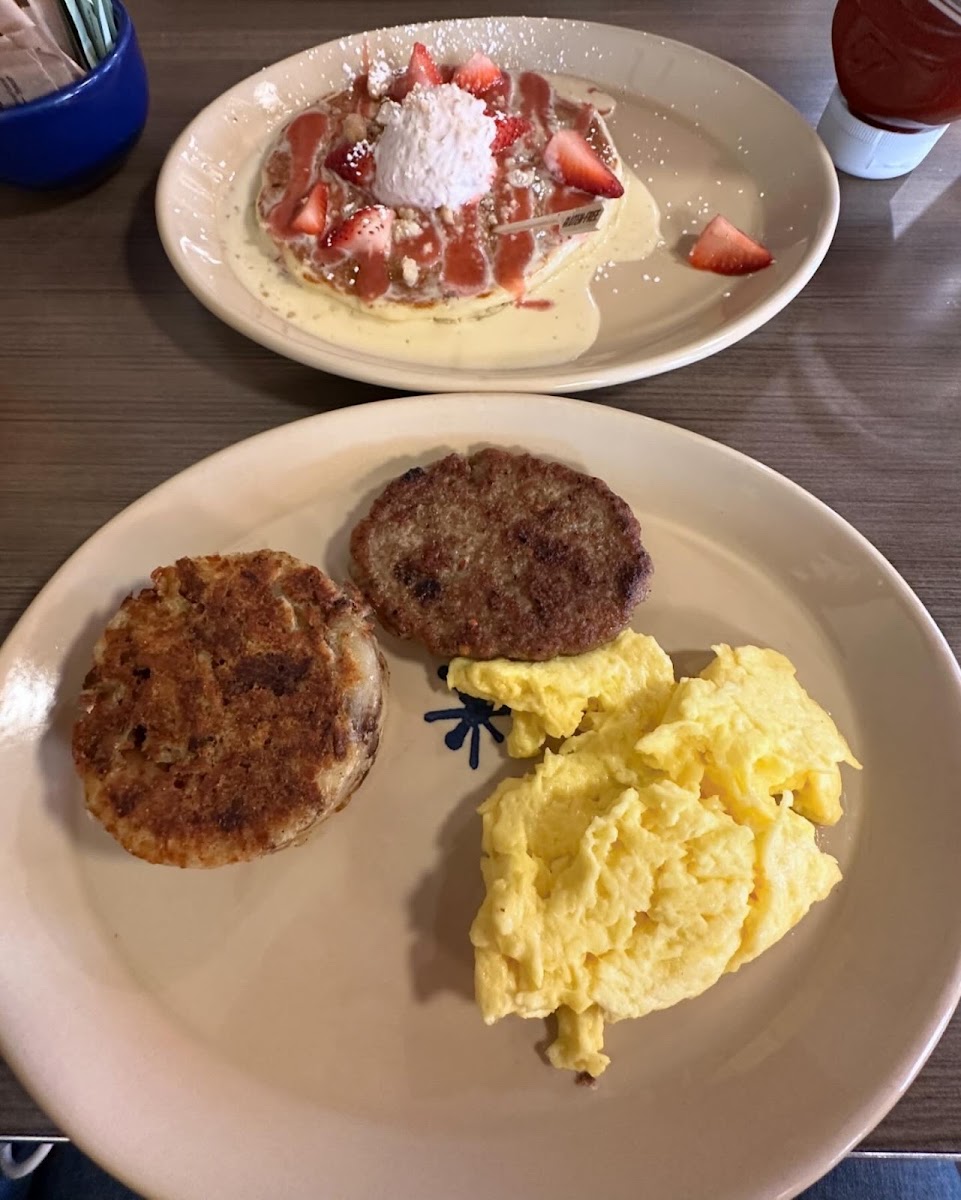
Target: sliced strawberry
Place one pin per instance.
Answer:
(353, 161)
(312, 217)
(726, 250)
(509, 129)
(366, 232)
(477, 75)
(570, 158)
(420, 70)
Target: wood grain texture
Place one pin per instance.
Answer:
(113, 378)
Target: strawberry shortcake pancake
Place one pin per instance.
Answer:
(392, 194)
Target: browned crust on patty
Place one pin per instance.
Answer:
(230, 707)
(501, 555)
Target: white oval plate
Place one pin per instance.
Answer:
(704, 135)
(306, 1022)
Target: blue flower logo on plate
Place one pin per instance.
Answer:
(472, 716)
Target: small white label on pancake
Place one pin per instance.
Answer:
(571, 222)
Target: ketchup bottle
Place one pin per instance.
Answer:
(898, 66)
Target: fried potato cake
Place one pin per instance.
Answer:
(230, 708)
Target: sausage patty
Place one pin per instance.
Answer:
(230, 708)
(501, 555)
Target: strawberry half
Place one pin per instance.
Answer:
(366, 232)
(726, 250)
(312, 216)
(421, 70)
(509, 129)
(353, 161)
(477, 75)
(570, 158)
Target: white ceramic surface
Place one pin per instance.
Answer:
(304, 1025)
(702, 134)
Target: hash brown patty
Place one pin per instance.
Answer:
(501, 555)
(230, 708)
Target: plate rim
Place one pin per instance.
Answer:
(561, 378)
(917, 1047)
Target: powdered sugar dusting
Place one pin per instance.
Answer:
(435, 149)
(378, 78)
(545, 44)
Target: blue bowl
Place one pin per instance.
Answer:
(78, 135)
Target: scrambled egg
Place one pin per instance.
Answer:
(752, 730)
(666, 840)
(550, 699)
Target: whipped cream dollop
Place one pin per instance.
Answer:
(435, 149)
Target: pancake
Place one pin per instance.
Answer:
(441, 263)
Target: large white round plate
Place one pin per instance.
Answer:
(305, 1025)
(705, 136)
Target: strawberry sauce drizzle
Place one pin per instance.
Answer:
(564, 198)
(373, 276)
(303, 136)
(465, 266)
(537, 101)
(514, 251)
(370, 271)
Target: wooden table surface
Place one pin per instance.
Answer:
(113, 378)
